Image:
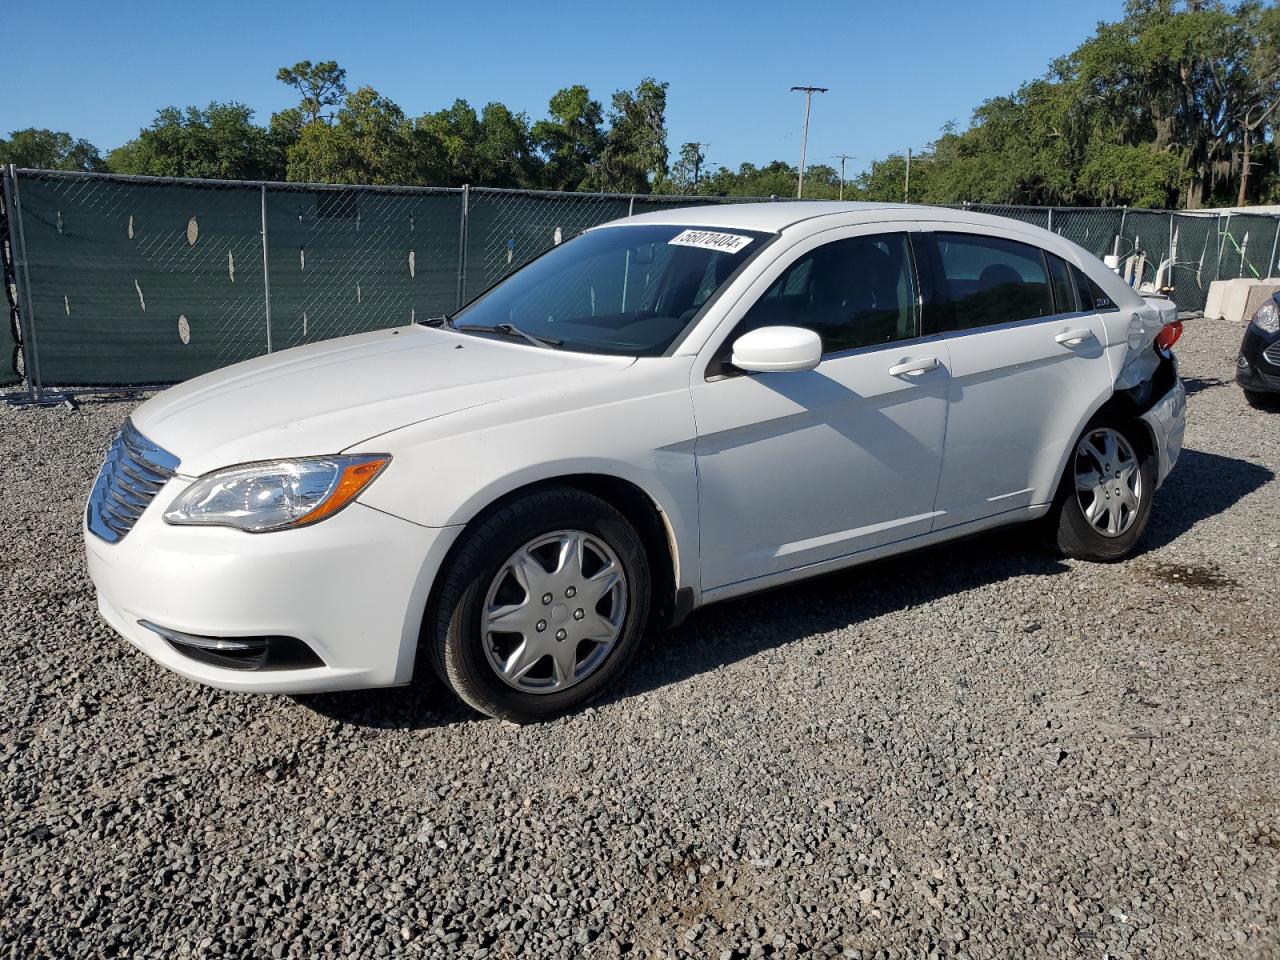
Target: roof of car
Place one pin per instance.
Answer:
(765, 215)
(816, 216)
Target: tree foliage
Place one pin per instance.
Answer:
(220, 142)
(321, 85)
(49, 150)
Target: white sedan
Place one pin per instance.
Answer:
(666, 411)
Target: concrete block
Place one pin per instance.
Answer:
(1230, 296)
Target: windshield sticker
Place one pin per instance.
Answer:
(709, 240)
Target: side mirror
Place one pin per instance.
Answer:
(777, 350)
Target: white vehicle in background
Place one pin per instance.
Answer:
(667, 411)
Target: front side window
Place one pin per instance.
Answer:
(853, 293)
(628, 290)
(991, 280)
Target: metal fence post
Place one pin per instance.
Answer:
(266, 269)
(631, 207)
(462, 246)
(22, 284)
(1050, 227)
(1223, 233)
(1271, 264)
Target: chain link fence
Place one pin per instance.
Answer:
(8, 281)
(113, 281)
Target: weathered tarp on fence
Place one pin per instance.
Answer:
(9, 374)
(347, 261)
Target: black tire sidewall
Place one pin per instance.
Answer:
(458, 643)
(1075, 535)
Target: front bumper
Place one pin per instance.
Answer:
(1167, 420)
(1258, 363)
(353, 588)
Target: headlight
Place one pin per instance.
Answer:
(277, 494)
(1267, 317)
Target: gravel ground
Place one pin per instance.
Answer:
(980, 751)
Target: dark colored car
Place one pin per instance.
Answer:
(1258, 366)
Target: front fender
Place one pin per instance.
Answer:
(446, 480)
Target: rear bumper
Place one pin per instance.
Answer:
(1167, 420)
(352, 588)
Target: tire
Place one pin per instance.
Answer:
(505, 603)
(1261, 400)
(1109, 531)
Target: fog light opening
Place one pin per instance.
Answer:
(239, 653)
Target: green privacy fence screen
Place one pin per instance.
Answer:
(134, 281)
(9, 374)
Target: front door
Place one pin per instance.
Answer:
(801, 467)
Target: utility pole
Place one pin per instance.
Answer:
(843, 157)
(906, 184)
(697, 162)
(804, 141)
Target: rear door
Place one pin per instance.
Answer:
(1026, 364)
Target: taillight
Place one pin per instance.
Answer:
(1169, 335)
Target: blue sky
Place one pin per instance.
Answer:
(897, 70)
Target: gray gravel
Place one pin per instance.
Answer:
(982, 751)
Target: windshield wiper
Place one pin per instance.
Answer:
(510, 330)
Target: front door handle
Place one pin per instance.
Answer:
(1073, 338)
(914, 368)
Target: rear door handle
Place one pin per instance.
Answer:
(914, 368)
(1072, 338)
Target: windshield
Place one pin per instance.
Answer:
(626, 290)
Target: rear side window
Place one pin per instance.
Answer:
(1092, 296)
(853, 293)
(1064, 291)
(991, 280)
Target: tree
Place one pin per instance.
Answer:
(320, 85)
(685, 173)
(635, 149)
(219, 142)
(445, 145)
(49, 150)
(371, 142)
(569, 139)
(1262, 93)
(504, 154)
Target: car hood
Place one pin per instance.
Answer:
(327, 397)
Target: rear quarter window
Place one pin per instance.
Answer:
(1092, 296)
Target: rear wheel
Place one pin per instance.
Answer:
(543, 606)
(1105, 497)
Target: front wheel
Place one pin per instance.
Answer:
(1105, 497)
(1262, 401)
(542, 607)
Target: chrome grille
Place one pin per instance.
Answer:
(1272, 353)
(132, 474)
